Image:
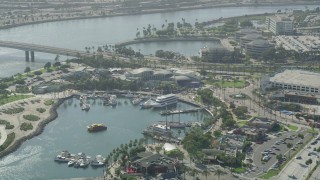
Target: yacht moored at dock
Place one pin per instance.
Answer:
(85, 107)
(99, 161)
(165, 100)
(64, 157)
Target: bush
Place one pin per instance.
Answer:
(37, 73)
(48, 102)
(31, 117)
(22, 89)
(8, 125)
(8, 141)
(26, 126)
(41, 110)
(14, 110)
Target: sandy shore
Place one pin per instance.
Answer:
(30, 107)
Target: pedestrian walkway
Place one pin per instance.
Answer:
(3, 134)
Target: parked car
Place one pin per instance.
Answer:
(298, 157)
(266, 158)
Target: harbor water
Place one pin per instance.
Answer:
(125, 122)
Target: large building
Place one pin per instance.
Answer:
(280, 24)
(294, 80)
(249, 38)
(257, 47)
(243, 32)
(216, 55)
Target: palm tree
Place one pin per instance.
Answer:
(219, 172)
(206, 173)
(193, 173)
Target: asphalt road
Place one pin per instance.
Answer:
(284, 150)
(297, 168)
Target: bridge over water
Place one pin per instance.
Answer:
(31, 48)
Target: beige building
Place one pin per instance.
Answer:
(280, 24)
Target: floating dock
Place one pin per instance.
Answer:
(180, 111)
(174, 124)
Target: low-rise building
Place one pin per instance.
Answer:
(261, 122)
(249, 38)
(154, 164)
(216, 55)
(257, 47)
(231, 144)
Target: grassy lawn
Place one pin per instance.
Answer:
(292, 127)
(48, 102)
(270, 174)
(13, 98)
(242, 123)
(313, 131)
(239, 170)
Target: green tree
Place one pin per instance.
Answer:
(47, 65)
(219, 172)
(27, 69)
(57, 58)
(206, 173)
(279, 157)
(193, 172)
(300, 135)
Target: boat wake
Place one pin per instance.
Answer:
(26, 153)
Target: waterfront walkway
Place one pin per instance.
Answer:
(3, 134)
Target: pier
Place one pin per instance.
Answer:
(180, 111)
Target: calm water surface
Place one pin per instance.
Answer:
(77, 34)
(68, 131)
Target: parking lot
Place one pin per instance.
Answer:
(276, 145)
(297, 168)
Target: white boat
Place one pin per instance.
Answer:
(71, 162)
(165, 100)
(85, 107)
(113, 100)
(148, 104)
(129, 95)
(137, 101)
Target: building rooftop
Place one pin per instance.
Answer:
(247, 31)
(298, 77)
(260, 120)
(260, 42)
(162, 71)
(252, 36)
(282, 17)
(140, 70)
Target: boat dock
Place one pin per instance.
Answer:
(175, 124)
(79, 160)
(180, 111)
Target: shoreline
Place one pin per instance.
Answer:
(38, 130)
(167, 39)
(154, 11)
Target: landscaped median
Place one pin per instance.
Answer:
(292, 127)
(274, 172)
